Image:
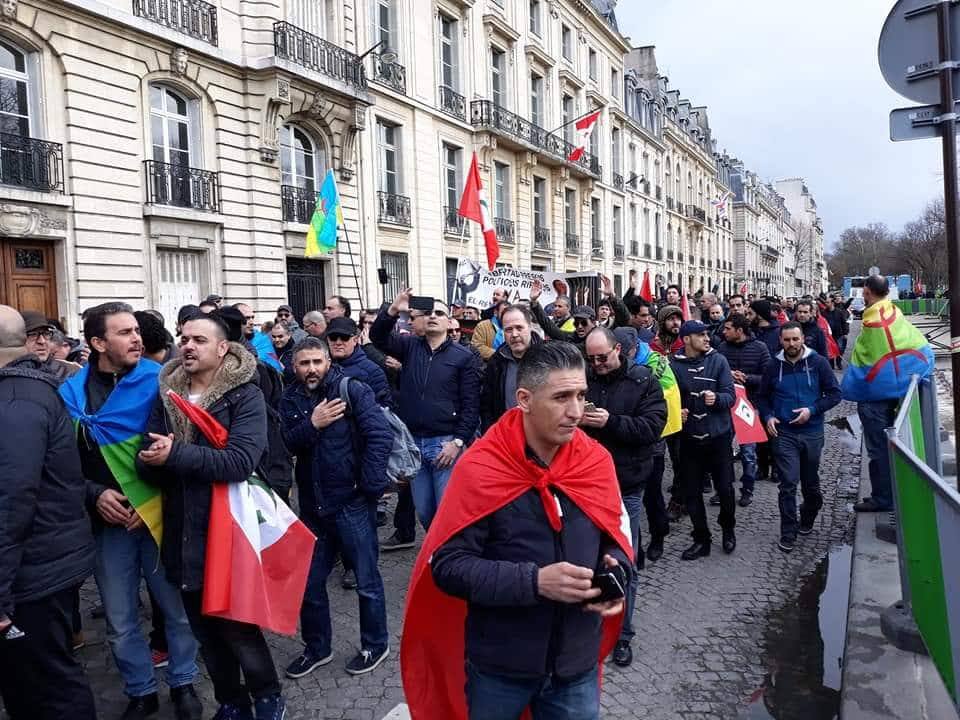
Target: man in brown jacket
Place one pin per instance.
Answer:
(488, 335)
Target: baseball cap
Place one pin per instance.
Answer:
(626, 336)
(214, 298)
(584, 311)
(341, 326)
(33, 321)
(285, 307)
(693, 327)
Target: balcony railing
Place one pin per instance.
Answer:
(771, 251)
(29, 163)
(182, 186)
(394, 209)
(541, 238)
(618, 181)
(506, 232)
(485, 113)
(453, 222)
(298, 203)
(312, 52)
(195, 18)
(596, 247)
(659, 194)
(391, 74)
(659, 253)
(697, 214)
(572, 243)
(453, 103)
(618, 251)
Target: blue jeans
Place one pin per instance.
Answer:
(495, 697)
(748, 459)
(431, 481)
(351, 530)
(634, 506)
(122, 559)
(796, 455)
(876, 417)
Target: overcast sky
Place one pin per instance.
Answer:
(793, 88)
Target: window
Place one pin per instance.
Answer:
(615, 149)
(592, 64)
(386, 26)
(539, 197)
(309, 15)
(397, 273)
(16, 89)
(615, 82)
(451, 174)
(595, 221)
(618, 226)
(646, 227)
(498, 77)
(568, 116)
(566, 42)
(646, 169)
(569, 210)
(536, 99)
(535, 17)
(656, 229)
(448, 53)
(172, 127)
(501, 181)
(388, 147)
(302, 164)
(595, 141)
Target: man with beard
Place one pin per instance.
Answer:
(765, 325)
(716, 316)
(737, 305)
(813, 336)
(283, 344)
(641, 317)
(584, 316)
(669, 320)
(488, 335)
(499, 390)
(337, 307)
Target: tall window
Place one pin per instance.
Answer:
(656, 229)
(501, 181)
(388, 147)
(535, 17)
(396, 266)
(448, 53)
(646, 170)
(567, 109)
(615, 82)
(646, 226)
(451, 174)
(310, 15)
(539, 198)
(595, 221)
(15, 91)
(592, 64)
(301, 163)
(171, 126)
(536, 99)
(618, 226)
(498, 76)
(566, 42)
(386, 26)
(569, 211)
(595, 141)
(615, 149)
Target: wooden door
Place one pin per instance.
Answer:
(28, 276)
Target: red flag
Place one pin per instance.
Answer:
(474, 206)
(684, 306)
(833, 350)
(645, 292)
(584, 129)
(743, 291)
(746, 420)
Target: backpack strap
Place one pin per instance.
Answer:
(344, 391)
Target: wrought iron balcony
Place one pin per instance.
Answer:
(572, 243)
(453, 103)
(391, 74)
(697, 214)
(659, 194)
(771, 251)
(30, 163)
(541, 238)
(195, 18)
(486, 114)
(618, 251)
(182, 186)
(453, 222)
(298, 203)
(506, 231)
(617, 181)
(596, 247)
(314, 53)
(394, 209)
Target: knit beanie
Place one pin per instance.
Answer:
(763, 309)
(668, 310)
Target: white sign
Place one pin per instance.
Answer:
(745, 412)
(475, 285)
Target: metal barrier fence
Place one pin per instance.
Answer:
(924, 306)
(928, 530)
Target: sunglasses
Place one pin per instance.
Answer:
(283, 314)
(581, 322)
(436, 313)
(594, 359)
(339, 338)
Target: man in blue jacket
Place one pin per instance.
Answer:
(439, 397)
(798, 388)
(343, 336)
(342, 451)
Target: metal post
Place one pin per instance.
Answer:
(948, 132)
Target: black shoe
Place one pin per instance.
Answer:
(396, 542)
(365, 661)
(697, 550)
(655, 550)
(674, 511)
(622, 654)
(381, 518)
(729, 541)
(348, 581)
(141, 707)
(806, 527)
(745, 499)
(186, 704)
(272, 707)
(787, 544)
(229, 711)
(870, 505)
(715, 499)
(306, 664)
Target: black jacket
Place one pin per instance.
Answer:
(277, 465)
(638, 414)
(194, 466)
(750, 357)
(694, 375)
(493, 564)
(493, 399)
(620, 314)
(769, 336)
(362, 368)
(814, 338)
(285, 356)
(46, 544)
(839, 321)
(439, 390)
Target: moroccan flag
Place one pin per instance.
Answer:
(746, 420)
(833, 350)
(659, 365)
(494, 472)
(475, 206)
(584, 129)
(645, 292)
(117, 428)
(327, 217)
(888, 352)
(684, 306)
(258, 551)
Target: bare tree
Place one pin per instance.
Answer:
(922, 247)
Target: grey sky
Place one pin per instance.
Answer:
(794, 89)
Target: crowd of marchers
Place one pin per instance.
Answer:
(91, 448)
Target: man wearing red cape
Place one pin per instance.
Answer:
(501, 619)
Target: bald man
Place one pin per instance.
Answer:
(48, 544)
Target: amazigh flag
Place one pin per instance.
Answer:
(327, 217)
(746, 420)
(888, 352)
(258, 551)
(117, 428)
(660, 367)
(475, 206)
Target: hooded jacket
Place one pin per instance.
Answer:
(695, 375)
(493, 390)
(787, 386)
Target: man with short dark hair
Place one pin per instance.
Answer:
(158, 344)
(737, 304)
(673, 295)
(813, 336)
(337, 306)
(283, 344)
(498, 391)
(641, 317)
(765, 325)
(488, 336)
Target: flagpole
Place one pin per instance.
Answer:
(576, 119)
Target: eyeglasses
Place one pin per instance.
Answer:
(581, 322)
(339, 338)
(37, 334)
(594, 359)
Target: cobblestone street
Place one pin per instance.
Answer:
(698, 651)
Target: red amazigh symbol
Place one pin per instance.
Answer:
(891, 356)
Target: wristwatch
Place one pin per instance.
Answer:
(458, 442)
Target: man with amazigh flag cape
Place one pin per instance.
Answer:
(531, 518)
(109, 401)
(889, 351)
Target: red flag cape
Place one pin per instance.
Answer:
(494, 472)
(685, 307)
(746, 420)
(475, 206)
(833, 350)
(645, 292)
